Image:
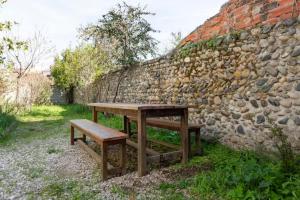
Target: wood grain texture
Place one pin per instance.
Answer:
(167, 124)
(97, 132)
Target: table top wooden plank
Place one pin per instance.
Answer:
(126, 106)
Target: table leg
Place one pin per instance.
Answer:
(184, 135)
(123, 156)
(72, 135)
(95, 115)
(104, 160)
(198, 141)
(126, 124)
(142, 140)
(190, 142)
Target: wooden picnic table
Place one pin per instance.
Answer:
(142, 112)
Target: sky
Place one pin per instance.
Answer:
(59, 20)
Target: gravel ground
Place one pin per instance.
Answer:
(33, 171)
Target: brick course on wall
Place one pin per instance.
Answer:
(234, 87)
(244, 14)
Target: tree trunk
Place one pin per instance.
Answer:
(70, 95)
(17, 92)
(118, 85)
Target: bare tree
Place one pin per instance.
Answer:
(38, 49)
(23, 60)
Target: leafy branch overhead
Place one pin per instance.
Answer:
(7, 43)
(125, 33)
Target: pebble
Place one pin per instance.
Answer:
(287, 103)
(240, 129)
(217, 100)
(261, 82)
(297, 121)
(236, 115)
(260, 119)
(272, 71)
(296, 51)
(297, 88)
(265, 56)
(283, 121)
(254, 103)
(274, 102)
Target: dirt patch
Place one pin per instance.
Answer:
(187, 171)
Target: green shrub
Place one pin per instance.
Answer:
(237, 175)
(7, 117)
(6, 120)
(284, 148)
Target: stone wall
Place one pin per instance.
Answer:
(232, 83)
(58, 95)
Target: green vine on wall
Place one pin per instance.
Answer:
(213, 43)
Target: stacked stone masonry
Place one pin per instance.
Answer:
(234, 88)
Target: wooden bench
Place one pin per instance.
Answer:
(103, 136)
(174, 126)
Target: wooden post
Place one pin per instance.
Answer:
(199, 150)
(104, 160)
(72, 135)
(129, 129)
(184, 135)
(190, 142)
(95, 115)
(125, 124)
(123, 156)
(142, 142)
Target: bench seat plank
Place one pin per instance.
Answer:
(166, 124)
(96, 131)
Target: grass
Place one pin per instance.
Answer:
(6, 121)
(230, 175)
(235, 175)
(69, 189)
(53, 119)
(53, 150)
(34, 172)
(120, 191)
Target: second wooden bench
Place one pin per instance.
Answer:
(173, 126)
(103, 136)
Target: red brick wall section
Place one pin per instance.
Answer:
(244, 14)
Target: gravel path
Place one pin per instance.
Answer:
(43, 169)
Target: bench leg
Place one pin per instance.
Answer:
(198, 142)
(72, 135)
(104, 161)
(190, 143)
(129, 129)
(126, 125)
(123, 156)
(84, 138)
